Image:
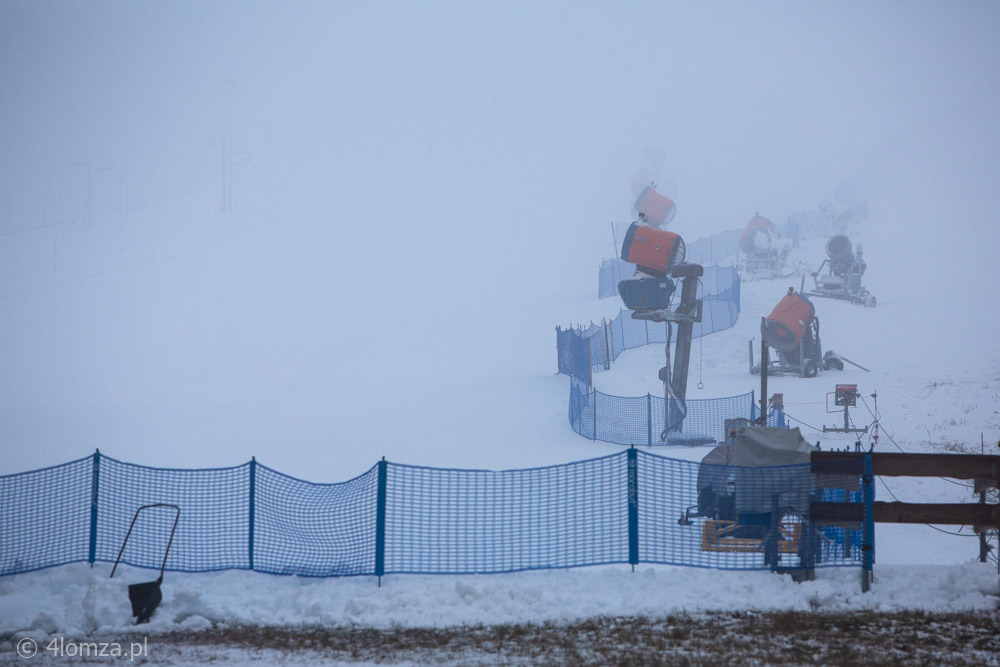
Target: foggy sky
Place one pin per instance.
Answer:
(417, 185)
(750, 101)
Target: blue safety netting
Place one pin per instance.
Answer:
(461, 521)
(631, 507)
(213, 528)
(641, 420)
(319, 530)
(45, 516)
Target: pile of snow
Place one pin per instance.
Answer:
(76, 600)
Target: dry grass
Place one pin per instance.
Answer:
(734, 638)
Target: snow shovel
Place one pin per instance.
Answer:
(145, 597)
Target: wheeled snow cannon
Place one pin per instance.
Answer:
(653, 208)
(792, 329)
(659, 259)
(842, 280)
(763, 258)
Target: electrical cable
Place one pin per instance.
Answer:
(948, 532)
(893, 441)
(788, 416)
(940, 530)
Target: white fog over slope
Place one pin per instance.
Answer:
(417, 196)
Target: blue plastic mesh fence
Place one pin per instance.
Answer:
(45, 516)
(574, 353)
(623, 421)
(410, 519)
(714, 248)
(318, 530)
(463, 521)
(639, 420)
(775, 417)
(717, 280)
(612, 272)
(213, 531)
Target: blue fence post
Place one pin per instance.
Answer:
(649, 420)
(253, 508)
(380, 521)
(633, 507)
(94, 483)
(868, 545)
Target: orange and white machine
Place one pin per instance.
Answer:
(653, 208)
(792, 330)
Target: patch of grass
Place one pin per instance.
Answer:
(745, 637)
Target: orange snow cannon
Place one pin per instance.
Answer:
(757, 223)
(653, 251)
(655, 209)
(787, 323)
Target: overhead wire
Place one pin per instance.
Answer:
(877, 420)
(788, 416)
(940, 530)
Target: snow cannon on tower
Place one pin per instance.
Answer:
(792, 330)
(843, 277)
(654, 209)
(659, 259)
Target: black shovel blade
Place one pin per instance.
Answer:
(145, 598)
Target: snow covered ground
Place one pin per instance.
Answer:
(387, 282)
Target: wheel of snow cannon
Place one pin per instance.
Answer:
(869, 300)
(809, 368)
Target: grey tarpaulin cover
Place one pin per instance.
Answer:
(772, 470)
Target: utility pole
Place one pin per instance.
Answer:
(226, 160)
(124, 196)
(229, 146)
(92, 168)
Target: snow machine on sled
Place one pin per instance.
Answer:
(842, 280)
(763, 256)
(754, 495)
(792, 329)
(659, 259)
(753, 498)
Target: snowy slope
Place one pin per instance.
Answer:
(461, 417)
